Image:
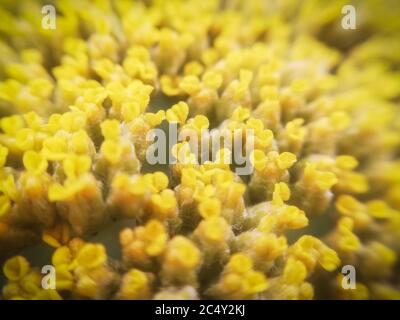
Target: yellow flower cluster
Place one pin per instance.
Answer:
(78, 104)
(82, 270)
(25, 282)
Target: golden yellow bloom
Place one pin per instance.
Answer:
(16, 268)
(135, 285)
(311, 108)
(141, 245)
(181, 259)
(239, 280)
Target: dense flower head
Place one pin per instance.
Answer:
(79, 102)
